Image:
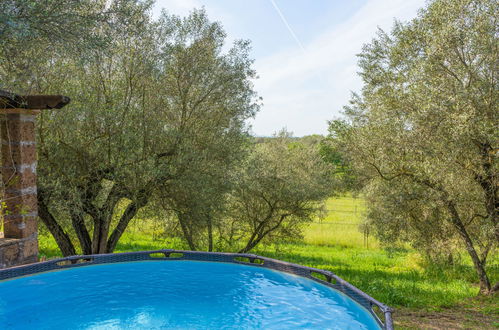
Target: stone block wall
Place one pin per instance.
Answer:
(15, 251)
(20, 242)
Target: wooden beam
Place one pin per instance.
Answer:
(13, 101)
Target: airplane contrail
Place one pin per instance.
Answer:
(287, 25)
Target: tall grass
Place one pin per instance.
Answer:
(340, 226)
(398, 277)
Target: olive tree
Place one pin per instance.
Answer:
(424, 132)
(32, 32)
(215, 97)
(333, 151)
(280, 187)
(145, 114)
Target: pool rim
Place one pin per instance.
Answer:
(330, 279)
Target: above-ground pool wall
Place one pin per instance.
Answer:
(382, 314)
(19, 244)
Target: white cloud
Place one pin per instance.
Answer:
(301, 91)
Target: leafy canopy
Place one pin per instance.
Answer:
(424, 135)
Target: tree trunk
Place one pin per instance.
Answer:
(102, 217)
(128, 215)
(61, 237)
(101, 231)
(485, 287)
(260, 233)
(185, 231)
(479, 264)
(210, 233)
(81, 231)
(489, 185)
(251, 244)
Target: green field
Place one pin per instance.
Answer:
(397, 277)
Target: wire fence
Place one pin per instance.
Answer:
(341, 233)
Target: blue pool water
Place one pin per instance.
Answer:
(175, 294)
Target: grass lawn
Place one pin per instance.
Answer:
(424, 296)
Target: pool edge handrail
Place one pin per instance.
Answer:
(339, 284)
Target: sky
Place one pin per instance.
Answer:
(304, 51)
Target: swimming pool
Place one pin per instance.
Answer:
(182, 290)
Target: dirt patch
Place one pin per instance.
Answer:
(477, 313)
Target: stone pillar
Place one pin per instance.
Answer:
(19, 177)
(20, 205)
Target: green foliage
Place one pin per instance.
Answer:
(333, 151)
(280, 187)
(424, 130)
(156, 122)
(220, 98)
(264, 196)
(33, 32)
(157, 117)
